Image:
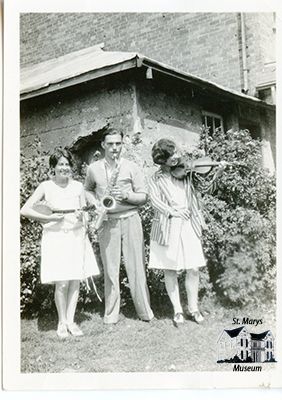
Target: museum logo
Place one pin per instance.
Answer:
(238, 346)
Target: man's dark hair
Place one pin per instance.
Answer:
(57, 154)
(162, 150)
(111, 132)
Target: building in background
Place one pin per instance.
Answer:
(234, 51)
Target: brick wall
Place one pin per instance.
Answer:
(204, 44)
(193, 42)
(260, 38)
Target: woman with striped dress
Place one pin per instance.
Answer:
(176, 230)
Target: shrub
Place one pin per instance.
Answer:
(33, 171)
(239, 241)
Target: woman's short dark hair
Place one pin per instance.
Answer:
(57, 154)
(162, 150)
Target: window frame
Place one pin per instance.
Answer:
(271, 87)
(212, 115)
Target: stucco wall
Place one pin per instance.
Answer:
(152, 109)
(166, 113)
(63, 117)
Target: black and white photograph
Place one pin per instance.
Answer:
(144, 199)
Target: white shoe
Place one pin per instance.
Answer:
(62, 331)
(197, 317)
(74, 329)
(178, 319)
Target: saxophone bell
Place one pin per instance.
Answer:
(108, 202)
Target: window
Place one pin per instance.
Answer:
(255, 130)
(242, 355)
(247, 342)
(267, 93)
(212, 121)
(242, 342)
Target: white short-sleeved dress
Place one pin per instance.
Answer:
(185, 248)
(66, 252)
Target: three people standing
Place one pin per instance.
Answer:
(66, 253)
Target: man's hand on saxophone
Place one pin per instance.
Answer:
(119, 194)
(128, 196)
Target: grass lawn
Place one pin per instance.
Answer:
(133, 345)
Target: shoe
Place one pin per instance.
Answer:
(62, 331)
(74, 330)
(178, 319)
(197, 317)
(153, 318)
(110, 323)
(106, 320)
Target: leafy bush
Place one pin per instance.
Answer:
(239, 241)
(34, 170)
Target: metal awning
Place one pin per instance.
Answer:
(92, 62)
(66, 70)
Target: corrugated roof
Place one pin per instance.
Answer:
(92, 62)
(69, 66)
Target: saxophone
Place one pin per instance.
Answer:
(108, 202)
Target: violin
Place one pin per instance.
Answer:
(201, 165)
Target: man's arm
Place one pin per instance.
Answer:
(89, 186)
(90, 198)
(138, 193)
(129, 197)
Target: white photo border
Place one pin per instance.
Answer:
(13, 379)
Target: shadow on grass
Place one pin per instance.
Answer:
(161, 311)
(49, 321)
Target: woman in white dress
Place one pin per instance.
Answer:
(176, 230)
(66, 253)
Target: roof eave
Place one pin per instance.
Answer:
(85, 77)
(139, 61)
(201, 83)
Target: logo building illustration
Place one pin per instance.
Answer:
(240, 345)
